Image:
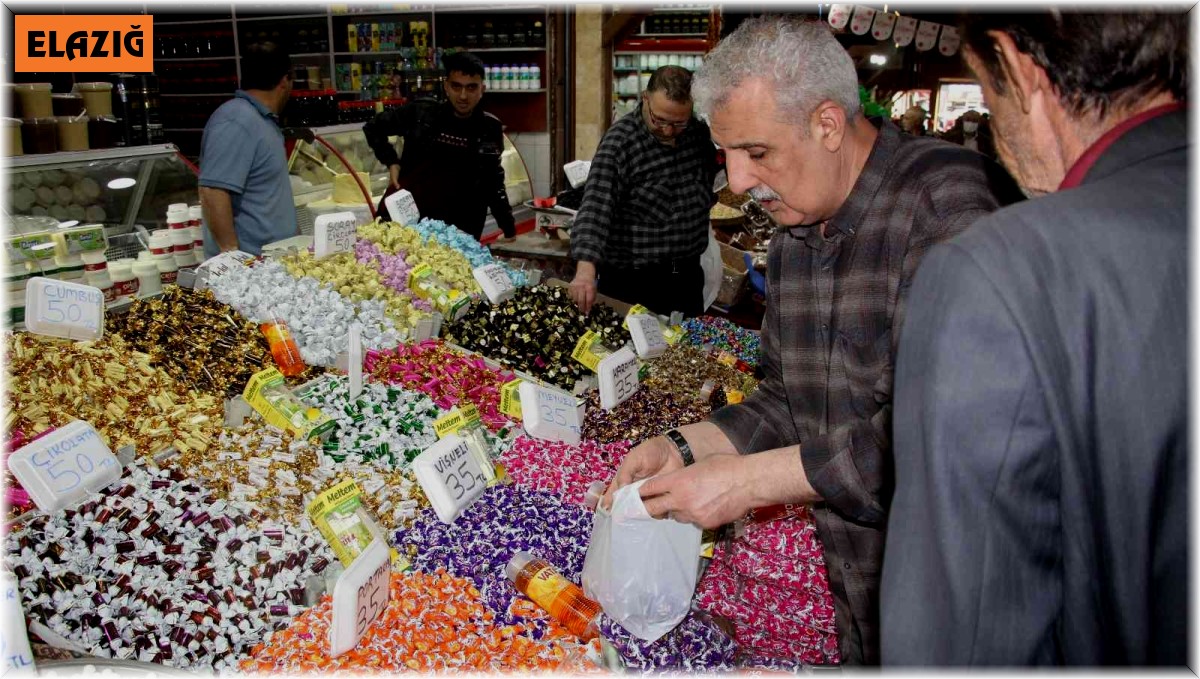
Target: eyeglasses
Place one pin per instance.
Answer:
(660, 124)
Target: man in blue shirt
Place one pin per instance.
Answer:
(244, 187)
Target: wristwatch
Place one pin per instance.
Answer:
(685, 451)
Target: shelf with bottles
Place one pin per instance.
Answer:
(386, 34)
(675, 23)
(388, 80)
(493, 31)
(176, 78)
(519, 77)
(299, 36)
(191, 43)
(631, 71)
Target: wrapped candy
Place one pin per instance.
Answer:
(157, 570)
(696, 645)
(721, 334)
(563, 469)
(355, 282)
(648, 413)
(450, 265)
(317, 316)
(473, 250)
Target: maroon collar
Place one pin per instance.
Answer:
(1080, 169)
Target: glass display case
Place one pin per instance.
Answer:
(117, 188)
(322, 183)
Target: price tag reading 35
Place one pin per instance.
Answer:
(647, 335)
(550, 414)
(618, 378)
(65, 466)
(334, 233)
(450, 476)
(60, 309)
(360, 597)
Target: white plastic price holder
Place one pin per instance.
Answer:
(450, 476)
(60, 309)
(619, 378)
(577, 172)
(65, 466)
(647, 335)
(354, 369)
(215, 267)
(403, 207)
(494, 280)
(334, 233)
(550, 414)
(360, 596)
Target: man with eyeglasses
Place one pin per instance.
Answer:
(643, 223)
(451, 162)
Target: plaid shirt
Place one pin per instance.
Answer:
(835, 305)
(644, 201)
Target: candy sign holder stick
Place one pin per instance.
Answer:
(550, 414)
(334, 233)
(60, 309)
(359, 598)
(450, 476)
(618, 378)
(356, 360)
(65, 466)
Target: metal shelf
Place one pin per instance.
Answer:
(310, 54)
(191, 94)
(388, 53)
(52, 160)
(504, 49)
(283, 17)
(178, 59)
(491, 9)
(411, 12)
(192, 22)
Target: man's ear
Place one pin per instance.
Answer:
(1024, 76)
(829, 124)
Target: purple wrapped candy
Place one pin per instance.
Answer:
(503, 521)
(696, 645)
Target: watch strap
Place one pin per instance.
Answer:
(685, 451)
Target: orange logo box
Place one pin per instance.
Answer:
(84, 43)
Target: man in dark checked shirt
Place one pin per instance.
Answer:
(643, 223)
(863, 203)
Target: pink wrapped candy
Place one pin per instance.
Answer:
(563, 469)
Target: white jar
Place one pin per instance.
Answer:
(535, 77)
(70, 268)
(160, 243)
(161, 250)
(181, 246)
(124, 281)
(95, 274)
(146, 270)
(195, 216)
(197, 244)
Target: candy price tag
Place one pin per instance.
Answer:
(450, 476)
(65, 466)
(356, 360)
(618, 378)
(551, 414)
(647, 335)
(455, 420)
(359, 597)
(496, 284)
(60, 309)
(510, 398)
(215, 267)
(334, 233)
(402, 207)
(14, 639)
(577, 172)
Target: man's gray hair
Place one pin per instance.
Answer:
(801, 61)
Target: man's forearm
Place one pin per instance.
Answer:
(218, 216)
(778, 477)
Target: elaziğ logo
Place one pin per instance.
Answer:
(55, 43)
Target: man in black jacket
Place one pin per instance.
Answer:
(451, 162)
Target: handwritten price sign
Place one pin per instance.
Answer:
(496, 284)
(550, 414)
(450, 476)
(359, 597)
(618, 378)
(334, 233)
(60, 309)
(65, 466)
(647, 335)
(402, 207)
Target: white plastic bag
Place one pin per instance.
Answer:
(712, 265)
(641, 570)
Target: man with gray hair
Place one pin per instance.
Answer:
(643, 223)
(861, 203)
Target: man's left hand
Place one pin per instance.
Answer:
(711, 493)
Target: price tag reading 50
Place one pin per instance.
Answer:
(359, 597)
(60, 309)
(65, 466)
(334, 233)
(550, 414)
(450, 476)
(618, 378)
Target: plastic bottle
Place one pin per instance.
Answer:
(146, 271)
(283, 347)
(160, 249)
(523, 77)
(505, 74)
(124, 281)
(535, 77)
(487, 77)
(197, 244)
(563, 599)
(95, 272)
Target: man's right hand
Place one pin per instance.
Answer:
(394, 173)
(583, 287)
(650, 458)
